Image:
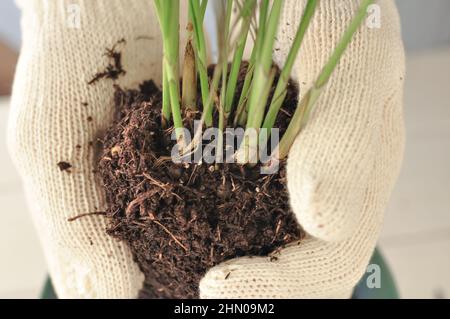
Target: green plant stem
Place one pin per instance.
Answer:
(303, 110)
(196, 141)
(166, 110)
(242, 109)
(281, 91)
(241, 112)
(159, 12)
(196, 13)
(168, 13)
(248, 151)
(223, 27)
(246, 15)
(264, 62)
(203, 7)
(219, 150)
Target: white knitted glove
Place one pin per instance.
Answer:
(63, 47)
(343, 166)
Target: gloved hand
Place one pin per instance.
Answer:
(56, 116)
(343, 165)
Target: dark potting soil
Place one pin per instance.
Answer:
(182, 219)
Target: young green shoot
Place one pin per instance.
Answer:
(223, 31)
(306, 105)
(262, 69)
(166, 110)
(242, 109)
(168, 15)
(246, 14)
(196, 15)
(248, 153)
(197, 138)
(281, 88)
(257, 101)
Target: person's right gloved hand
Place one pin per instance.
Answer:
(56, 116)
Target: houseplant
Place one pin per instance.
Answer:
(181, 217)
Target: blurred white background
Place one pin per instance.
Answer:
(416, 235)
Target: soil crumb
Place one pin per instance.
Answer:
(114, 69)
(64, 166)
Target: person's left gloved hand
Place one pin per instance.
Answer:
(343, 165)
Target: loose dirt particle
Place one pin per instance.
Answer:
(114, 69)
(72, 219)
(64, 166)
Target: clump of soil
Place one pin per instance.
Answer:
(114, 69)
(64, 166)
(182, 219)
